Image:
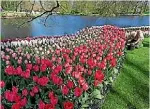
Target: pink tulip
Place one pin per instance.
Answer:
(16, 58)
(19, 61)
(36, 57)
(2, 53)
(59, 61)
(14, 55)
(22, 54)
(7, 62)
(3, 56)
(20, 58)
(97, 58)
(53, 58)
(25, 61)
(28, 56)
(20, 50)
(42, 57)
(7, 49)
(7, 57)
(10, 52)
(93, 55)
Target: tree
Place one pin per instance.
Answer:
(102, 8)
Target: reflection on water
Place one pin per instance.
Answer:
(9, 28)
(66, 24)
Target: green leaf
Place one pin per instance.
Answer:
(46, 100)
(57, 107)
(22, 84)
(111, 80)
(96, 94)
(37, 97)
(60, 98)
(115, 70)
(106, 82)
(100, 86)
(84, 106)
(29, 103)
(84, 98)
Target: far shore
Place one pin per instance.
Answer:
(12, 14)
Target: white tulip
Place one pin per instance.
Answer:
(42, 53)
(48, 52)
(37, 52)
(40, 48)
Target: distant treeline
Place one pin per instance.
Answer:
(102, 8)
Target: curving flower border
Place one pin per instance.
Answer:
(61, 72)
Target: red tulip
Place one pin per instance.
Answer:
(15, 89)
(43, 67)
(23, 102)
(24, 92)
(51, 94)
(99, 76)
(19, 70)
(35, 68)
(77, 92)
(68, 105)
(16, 106)
(2, 84)
(113, 62)
(54, 100)
(43, 81)
(32, 94)
(35, 89)
(41, 105)
(65, 90)
(10, 70)
(29, 66)
(70, 84)
(49, 106)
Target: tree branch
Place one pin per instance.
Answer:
(42, 6)
(32, 7)
(18, 4)
(47, 11)
(46, 19)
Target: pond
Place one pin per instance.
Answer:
(65, 24)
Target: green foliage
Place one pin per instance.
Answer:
(9, 5)
(74, 11)
(102, 8)
(130, 90)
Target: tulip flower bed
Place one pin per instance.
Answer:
(68, 72)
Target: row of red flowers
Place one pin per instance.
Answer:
(59, 78)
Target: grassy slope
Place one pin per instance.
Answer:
(131, 88)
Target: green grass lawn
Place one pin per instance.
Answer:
(131, 88)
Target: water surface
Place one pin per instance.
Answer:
(65, 24)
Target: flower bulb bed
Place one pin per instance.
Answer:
(66, 72)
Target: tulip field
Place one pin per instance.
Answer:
(61, 72)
